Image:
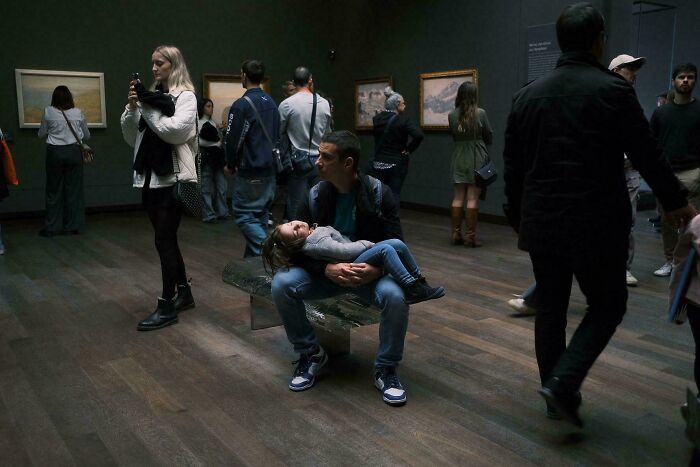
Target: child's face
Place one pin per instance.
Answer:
(294, 230)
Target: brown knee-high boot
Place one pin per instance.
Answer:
(457, 216)
(472, 215)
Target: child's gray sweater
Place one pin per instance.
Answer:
(327, 244)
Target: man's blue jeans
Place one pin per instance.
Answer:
(291, 286)
(214, 189)
(394, 256)
(251, 200)
(298, 187)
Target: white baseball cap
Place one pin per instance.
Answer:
(628, 60)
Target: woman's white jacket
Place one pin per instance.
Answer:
(178, 130)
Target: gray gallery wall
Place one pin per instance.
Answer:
(372, 38)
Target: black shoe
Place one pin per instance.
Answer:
(564, 404)
(420, 291)
(655, 220)
(552, 413)
(163, 316)
(47, 233)
(184, 299)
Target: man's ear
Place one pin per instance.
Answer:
(349, 162)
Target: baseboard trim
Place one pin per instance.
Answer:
(483, 216)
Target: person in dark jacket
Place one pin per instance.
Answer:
(249, 156)
(566, 196)
(359, 207)
(396, 137)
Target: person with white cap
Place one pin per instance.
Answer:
(627, 66)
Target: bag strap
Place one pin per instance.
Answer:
(262, 125)
(313, 121)
(72, 130)
(380, 143)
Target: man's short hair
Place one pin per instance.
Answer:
(684, 68)
(578, 27)
(302, 76)
(254, 70)
(347, 144)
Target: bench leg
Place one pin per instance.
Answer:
(336, 343)
(263, 314)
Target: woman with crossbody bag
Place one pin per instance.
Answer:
(163, 134)
(63, 125)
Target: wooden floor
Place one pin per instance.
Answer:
(79, 385)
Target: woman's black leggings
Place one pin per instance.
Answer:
(165, 221)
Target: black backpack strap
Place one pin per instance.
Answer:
(313, 121)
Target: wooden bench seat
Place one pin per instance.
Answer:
(332, 318)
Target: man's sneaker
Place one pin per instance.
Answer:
(665, 270)
(420, 291)
(387, 381)
(307, 368)
(631, 280)
(519, 305)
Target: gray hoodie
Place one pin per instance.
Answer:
(327, 244)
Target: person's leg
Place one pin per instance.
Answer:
(385, 256)
(457, 212)
(395, 178)
(73, 193)
(54, 191)
(297, 189)
(694, 321)
(553, 277)
(472, 215)
(165, 221)
(633, 183)
(252, 198)
(409, 262)
(2, 245)
(221, 205)
(208, 213)
(601, 278)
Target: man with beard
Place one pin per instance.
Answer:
(677, 128)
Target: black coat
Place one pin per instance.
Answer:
(402, 135)
(566, 137)
(374, 221)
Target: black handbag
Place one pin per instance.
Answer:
(301, 160)
(485, 175)
(280, 160)
(188, 194)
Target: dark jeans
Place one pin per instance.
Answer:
(393, 178)
(252, 199)
(165, 221)
(65, 205)
(694, 321)
(298, 188)
(601, 277)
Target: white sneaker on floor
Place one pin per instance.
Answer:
(519, 305)
(665, 270)
(631, 280)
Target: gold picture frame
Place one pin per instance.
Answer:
(223, 89)
(369, 99)
(35, 88)
(437, 94)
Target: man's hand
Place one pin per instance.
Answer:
(682, 216)
(352, 274)
(228, 171)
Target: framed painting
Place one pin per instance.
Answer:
(437, 96)
(369, 100)
(223, 89)
(35, 87)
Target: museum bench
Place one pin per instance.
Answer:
(332, 318)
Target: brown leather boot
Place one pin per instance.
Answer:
(472, 215)
(457, 216)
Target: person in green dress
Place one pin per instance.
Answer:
(471, 132)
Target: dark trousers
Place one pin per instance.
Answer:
(601, 277)
(393, 178)
(694, 321)
(166, 220)
(65, 204)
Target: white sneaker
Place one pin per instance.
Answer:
(519, 305)
(631, 280)
(665, 270)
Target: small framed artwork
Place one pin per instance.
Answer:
(369, 100)
(35, 87)
(437, 96)
(223, 89)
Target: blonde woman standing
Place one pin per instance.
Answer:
(171, 114)
(471, 132)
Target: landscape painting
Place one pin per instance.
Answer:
(369, 100)
(223, 89)
(437, 96)
(35, 87)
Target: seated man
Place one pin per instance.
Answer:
(359, 207)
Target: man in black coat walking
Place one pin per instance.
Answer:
(565, 186)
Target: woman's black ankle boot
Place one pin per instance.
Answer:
(163, 316)
(184, 299)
